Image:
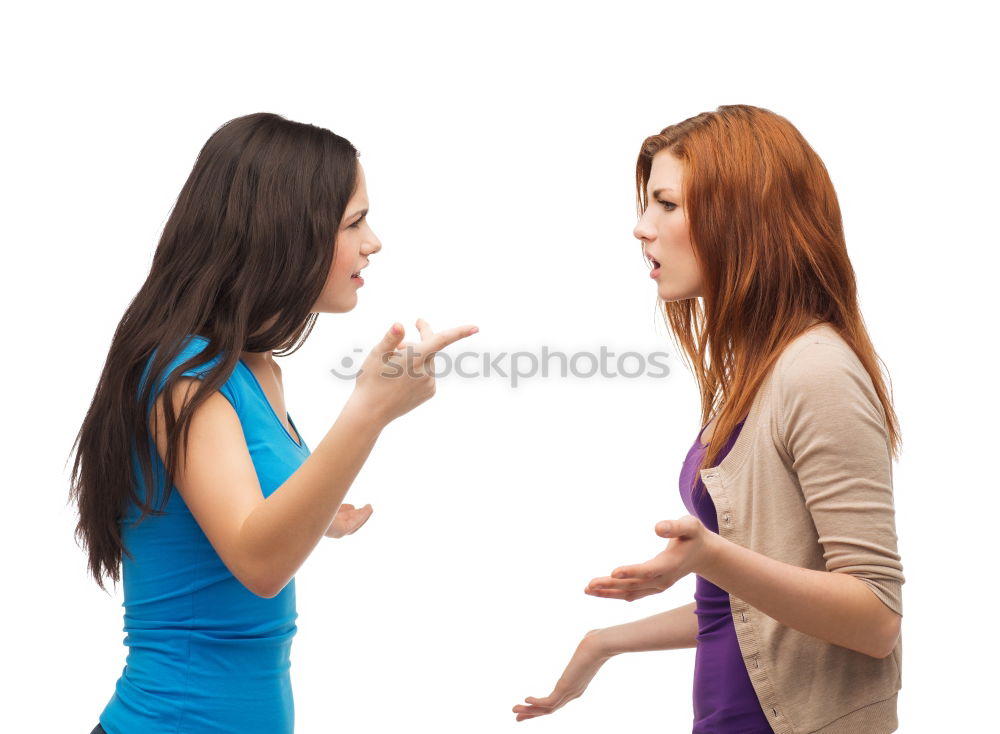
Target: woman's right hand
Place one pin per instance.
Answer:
(582, 667)
(391, 382)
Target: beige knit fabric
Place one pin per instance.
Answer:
(809, 482)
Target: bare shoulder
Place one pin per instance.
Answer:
(215, 476)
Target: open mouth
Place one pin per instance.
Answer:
(654, 265)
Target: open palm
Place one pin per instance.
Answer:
(687, 546)
(347, 520)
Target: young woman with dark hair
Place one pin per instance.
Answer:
(268, 231)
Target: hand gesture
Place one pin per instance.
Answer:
(582, 668)
(392, 382)
(686, 551)
(348, 520)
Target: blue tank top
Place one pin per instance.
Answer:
(205, 654)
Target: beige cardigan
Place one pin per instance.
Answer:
(809, 482)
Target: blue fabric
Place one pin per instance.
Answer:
(205, 654)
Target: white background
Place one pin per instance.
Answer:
(499, 144)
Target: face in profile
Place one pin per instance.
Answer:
(664, 233)
(354, 244)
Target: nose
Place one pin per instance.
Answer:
(643, 231)
(372, 245)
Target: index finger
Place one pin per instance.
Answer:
(437, 342)
(637, 571)
(617, 583)
(601, 582)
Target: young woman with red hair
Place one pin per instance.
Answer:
(797, 609)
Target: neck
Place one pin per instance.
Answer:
(258, 358)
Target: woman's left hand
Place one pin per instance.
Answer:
(347, 520)
(689, 546)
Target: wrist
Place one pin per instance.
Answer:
(360, 412)
(711, 554)
(599, 645)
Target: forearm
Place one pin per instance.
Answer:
(281, 532)
(672, 630)
(834, 607)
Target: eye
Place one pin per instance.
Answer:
(669, 206)
(356, 224)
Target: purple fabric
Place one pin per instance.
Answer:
(724, 698)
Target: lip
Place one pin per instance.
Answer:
(653, 262)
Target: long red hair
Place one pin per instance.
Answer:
(766, 229)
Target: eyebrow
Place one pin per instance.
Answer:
(662, 188)
(358, 214)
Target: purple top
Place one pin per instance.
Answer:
(724, 698)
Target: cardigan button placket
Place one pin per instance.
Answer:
(776, 414)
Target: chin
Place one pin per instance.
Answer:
(345, 307)
(669, 295)
(335, 307)
(678, 286)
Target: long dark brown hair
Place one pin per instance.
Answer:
(249, 241)
(766, 230)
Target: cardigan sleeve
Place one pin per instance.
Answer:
(832, 426)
